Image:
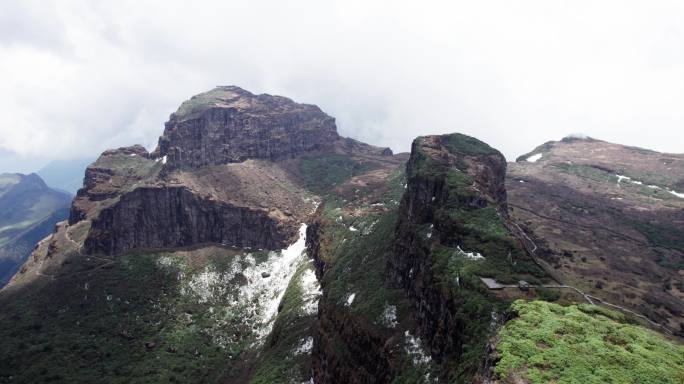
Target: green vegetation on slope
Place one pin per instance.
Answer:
(130, 166)
(323, 172)
(360, 258)
(466, 145)
(583, 344)
(470, 226)
(587, 172)
(661, 235)
(141, 318)
(358, 247)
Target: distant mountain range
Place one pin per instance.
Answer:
(29, 210)
(65, 175)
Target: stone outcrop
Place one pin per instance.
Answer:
(229, 124)
(153, 217)
(455, 194)
(115, 172)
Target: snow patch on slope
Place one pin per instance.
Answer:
(628, 179)
(350, 299)
(622, 178)
(680, 195)
(263, 287)
(311, 291)
(469, 255)
(388, 317)
(534, 158)
(414, 348)
(304, 347)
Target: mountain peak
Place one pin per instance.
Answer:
(219, 97)
(236, 98)
(577, 136)
(230, 125)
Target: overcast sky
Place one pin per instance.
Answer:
(77, 77)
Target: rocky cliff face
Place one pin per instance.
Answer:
(450, 232)
(188, 219)
(229, 124)
(206, 182)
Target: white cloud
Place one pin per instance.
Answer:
(81, 76)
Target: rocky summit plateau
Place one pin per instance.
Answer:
(257, 245)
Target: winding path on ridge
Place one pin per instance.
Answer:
(79, 248)
(531, 248)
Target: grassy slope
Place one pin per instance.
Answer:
(321, 173)
(95, 324)
(583, 344)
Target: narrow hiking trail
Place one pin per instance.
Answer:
(532, 247)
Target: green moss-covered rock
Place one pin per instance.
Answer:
(550, 343)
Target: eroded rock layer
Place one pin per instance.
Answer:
(134, 223)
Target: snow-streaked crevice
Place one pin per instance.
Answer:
(251, 291)
(420, 359)
(534, 158)
(311, 291)
(622, 178)
(266, 293)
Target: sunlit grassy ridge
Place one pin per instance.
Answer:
(550, 343)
